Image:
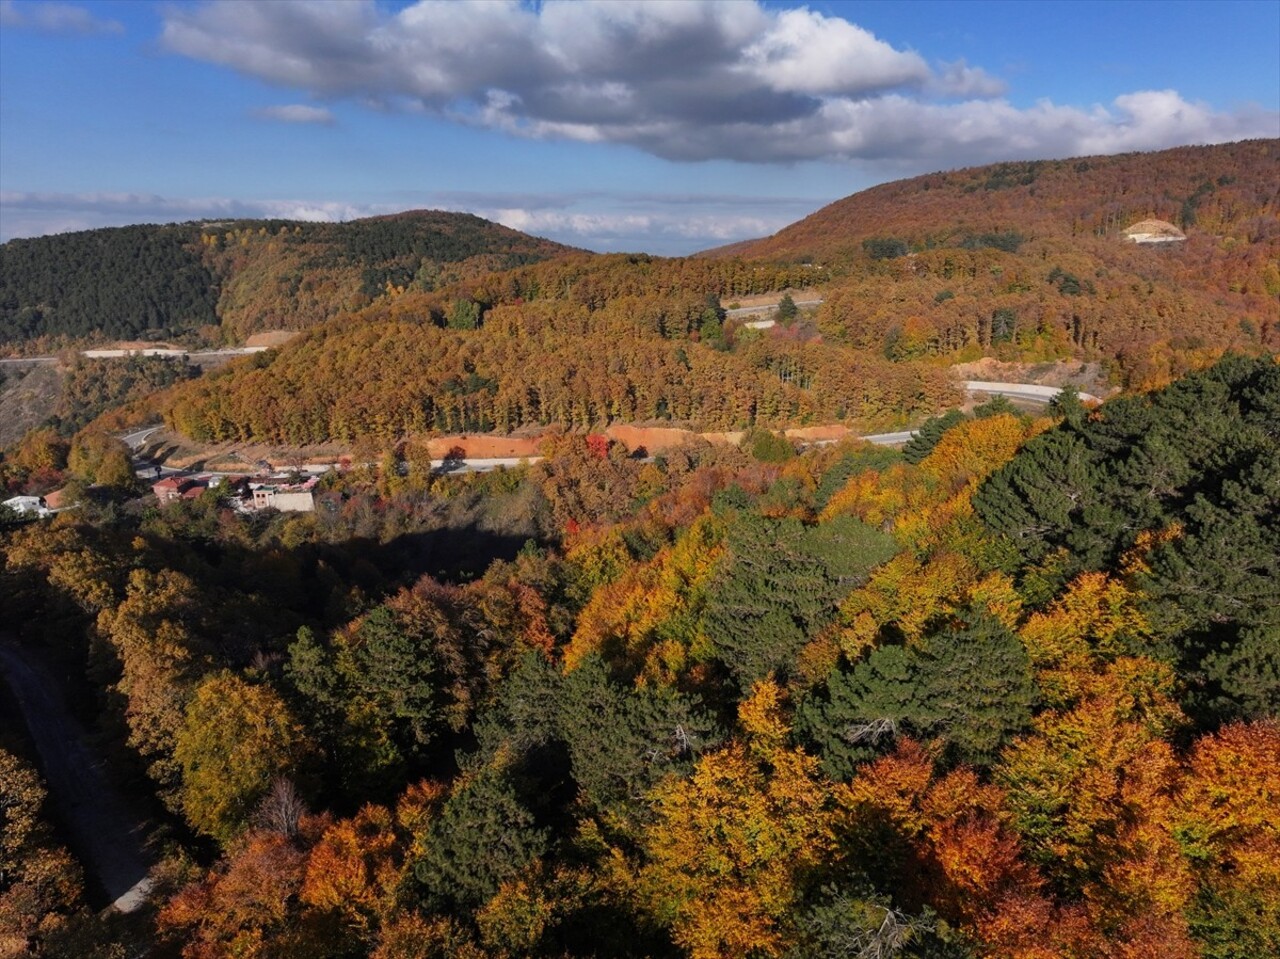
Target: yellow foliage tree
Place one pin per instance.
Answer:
(1228, 821)
(909, 593)
(160, 661)
(729, 843)
(647, 620)
(1083, 629)
(235, 738)
(971, 451)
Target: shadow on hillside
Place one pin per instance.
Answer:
(450, 554)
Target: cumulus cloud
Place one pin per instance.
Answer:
(54, 17)
(296, 113)
(684, 80)
(804, 52)
(958, 79)
(667, 224)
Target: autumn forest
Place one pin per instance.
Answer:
(1007, 690)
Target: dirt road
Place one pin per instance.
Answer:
(104, 830)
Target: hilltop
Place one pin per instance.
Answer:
(1032, 261)
(224, 280)
(1228, 190)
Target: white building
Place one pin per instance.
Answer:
(28, 506)
(286, 497)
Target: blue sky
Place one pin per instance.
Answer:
(660, 126)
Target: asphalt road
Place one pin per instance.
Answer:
(890, 439)
(1014, 391)
(1021, 391)
(135, 439)
(106, 832)
(195, 357)
(767, 307)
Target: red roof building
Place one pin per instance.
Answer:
(172, 488)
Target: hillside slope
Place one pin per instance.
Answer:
(1229, 190)
(1028, 261)
(239, 276)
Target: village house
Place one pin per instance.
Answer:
(242, 494)
(286, 497)
(28, 505)
(192, 487)
(58, 500)
(176, 487)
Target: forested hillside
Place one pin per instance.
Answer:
(229, 279)
(1227, 190)
(1020, 262)
(1028, 260)
(1014, 693)
(578, 353)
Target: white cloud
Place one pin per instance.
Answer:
(807, 53)
(958, 79)
(54, 17)
(613, 230)
(684, 80)
(296, 113)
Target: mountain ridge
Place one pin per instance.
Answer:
(220, 280)
(1037, 195)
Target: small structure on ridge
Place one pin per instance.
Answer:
(1153, 231)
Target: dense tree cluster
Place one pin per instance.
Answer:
(1152, 314)
(123, 283)
(91, 387)
(166, 281)
(1200, 458)
(1011, 696)
(40, 883)
(393, 373)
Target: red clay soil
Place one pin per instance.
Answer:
(655, 439)
(485, 446)
(817, 434)
(724, 439)
(271, 338)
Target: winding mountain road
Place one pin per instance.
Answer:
(105, 830)
(1015, 391)
(1021, 391)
